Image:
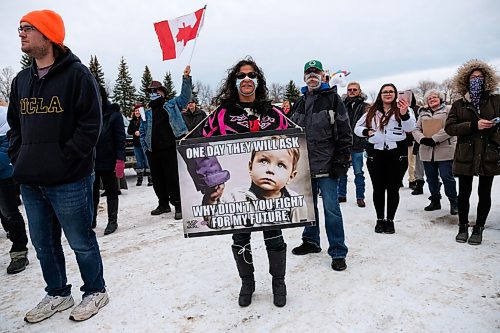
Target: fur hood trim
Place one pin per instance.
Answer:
(461, 79)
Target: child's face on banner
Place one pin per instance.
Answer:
(272, 170)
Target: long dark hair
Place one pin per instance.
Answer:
(379, 105)
(228, 93)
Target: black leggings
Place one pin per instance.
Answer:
(484, 203)
(273, 239)
(386, 168)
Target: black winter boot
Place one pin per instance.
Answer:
(477, 235)
(434, 205)
(389, 227)
(277, 268)
(161, 209)
(463, 233)
(244, 264)
(112, 216)
(380, 226)
(419, 187)
(139, 179)
(18, 262)
(454, 206)
(178, 213)
(147, 173)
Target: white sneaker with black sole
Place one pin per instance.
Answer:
(48, 306)
(89, 306)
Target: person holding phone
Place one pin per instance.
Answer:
(478, 149)
(385, 124)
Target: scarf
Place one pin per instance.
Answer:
(476, 87)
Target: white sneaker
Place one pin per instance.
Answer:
(89, 306)
(48, 306)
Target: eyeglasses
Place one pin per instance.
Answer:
(26, 29)
(387, 92)
(352, 89)
(312, 70)
(250, 75)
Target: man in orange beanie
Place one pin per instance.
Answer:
(55, 119)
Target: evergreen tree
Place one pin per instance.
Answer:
(169, 85)
(26, 61)
(96, 70)
(145, 82)
(292, 93)
(124, 90)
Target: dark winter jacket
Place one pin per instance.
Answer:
(356, 107)
(329, 137)
(5, 165)
(111, 144)
(477, 151)
(55, 123)
(242, 118)
(192, 119)
(133, 126)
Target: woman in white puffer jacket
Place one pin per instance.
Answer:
(385, 124)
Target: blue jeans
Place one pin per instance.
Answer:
(333, 218)
(359, 178)
(140, 158)
(66, 206)
(445, 170)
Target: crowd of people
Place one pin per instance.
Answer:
(59, 117)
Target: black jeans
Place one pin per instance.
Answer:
(387, 168)
(110, 184)
(163, 166)
(484, 203)
(11, 217)
(273, 239)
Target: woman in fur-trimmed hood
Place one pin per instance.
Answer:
(477, 153)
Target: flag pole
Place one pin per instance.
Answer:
(197, 33)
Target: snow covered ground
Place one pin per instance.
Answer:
(417, 280)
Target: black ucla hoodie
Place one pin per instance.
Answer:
(55, 123)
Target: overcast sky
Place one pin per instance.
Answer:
(377, 41)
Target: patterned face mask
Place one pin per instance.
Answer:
(476, 87)
(238, 86)
(154, 96)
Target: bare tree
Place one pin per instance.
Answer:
(6, 76)
(423, 87)
(446, 88)
(373, 95)
(276, 92)
(205, 93)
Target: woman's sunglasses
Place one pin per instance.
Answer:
(250, 75)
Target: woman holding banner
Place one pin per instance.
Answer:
(244, 107)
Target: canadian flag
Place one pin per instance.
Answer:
(175, 33)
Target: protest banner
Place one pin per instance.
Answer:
(245, 182)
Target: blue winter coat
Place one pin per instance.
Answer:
(173, 107)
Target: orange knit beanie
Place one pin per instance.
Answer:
(48, 22)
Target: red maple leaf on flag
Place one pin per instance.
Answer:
(185, 34)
